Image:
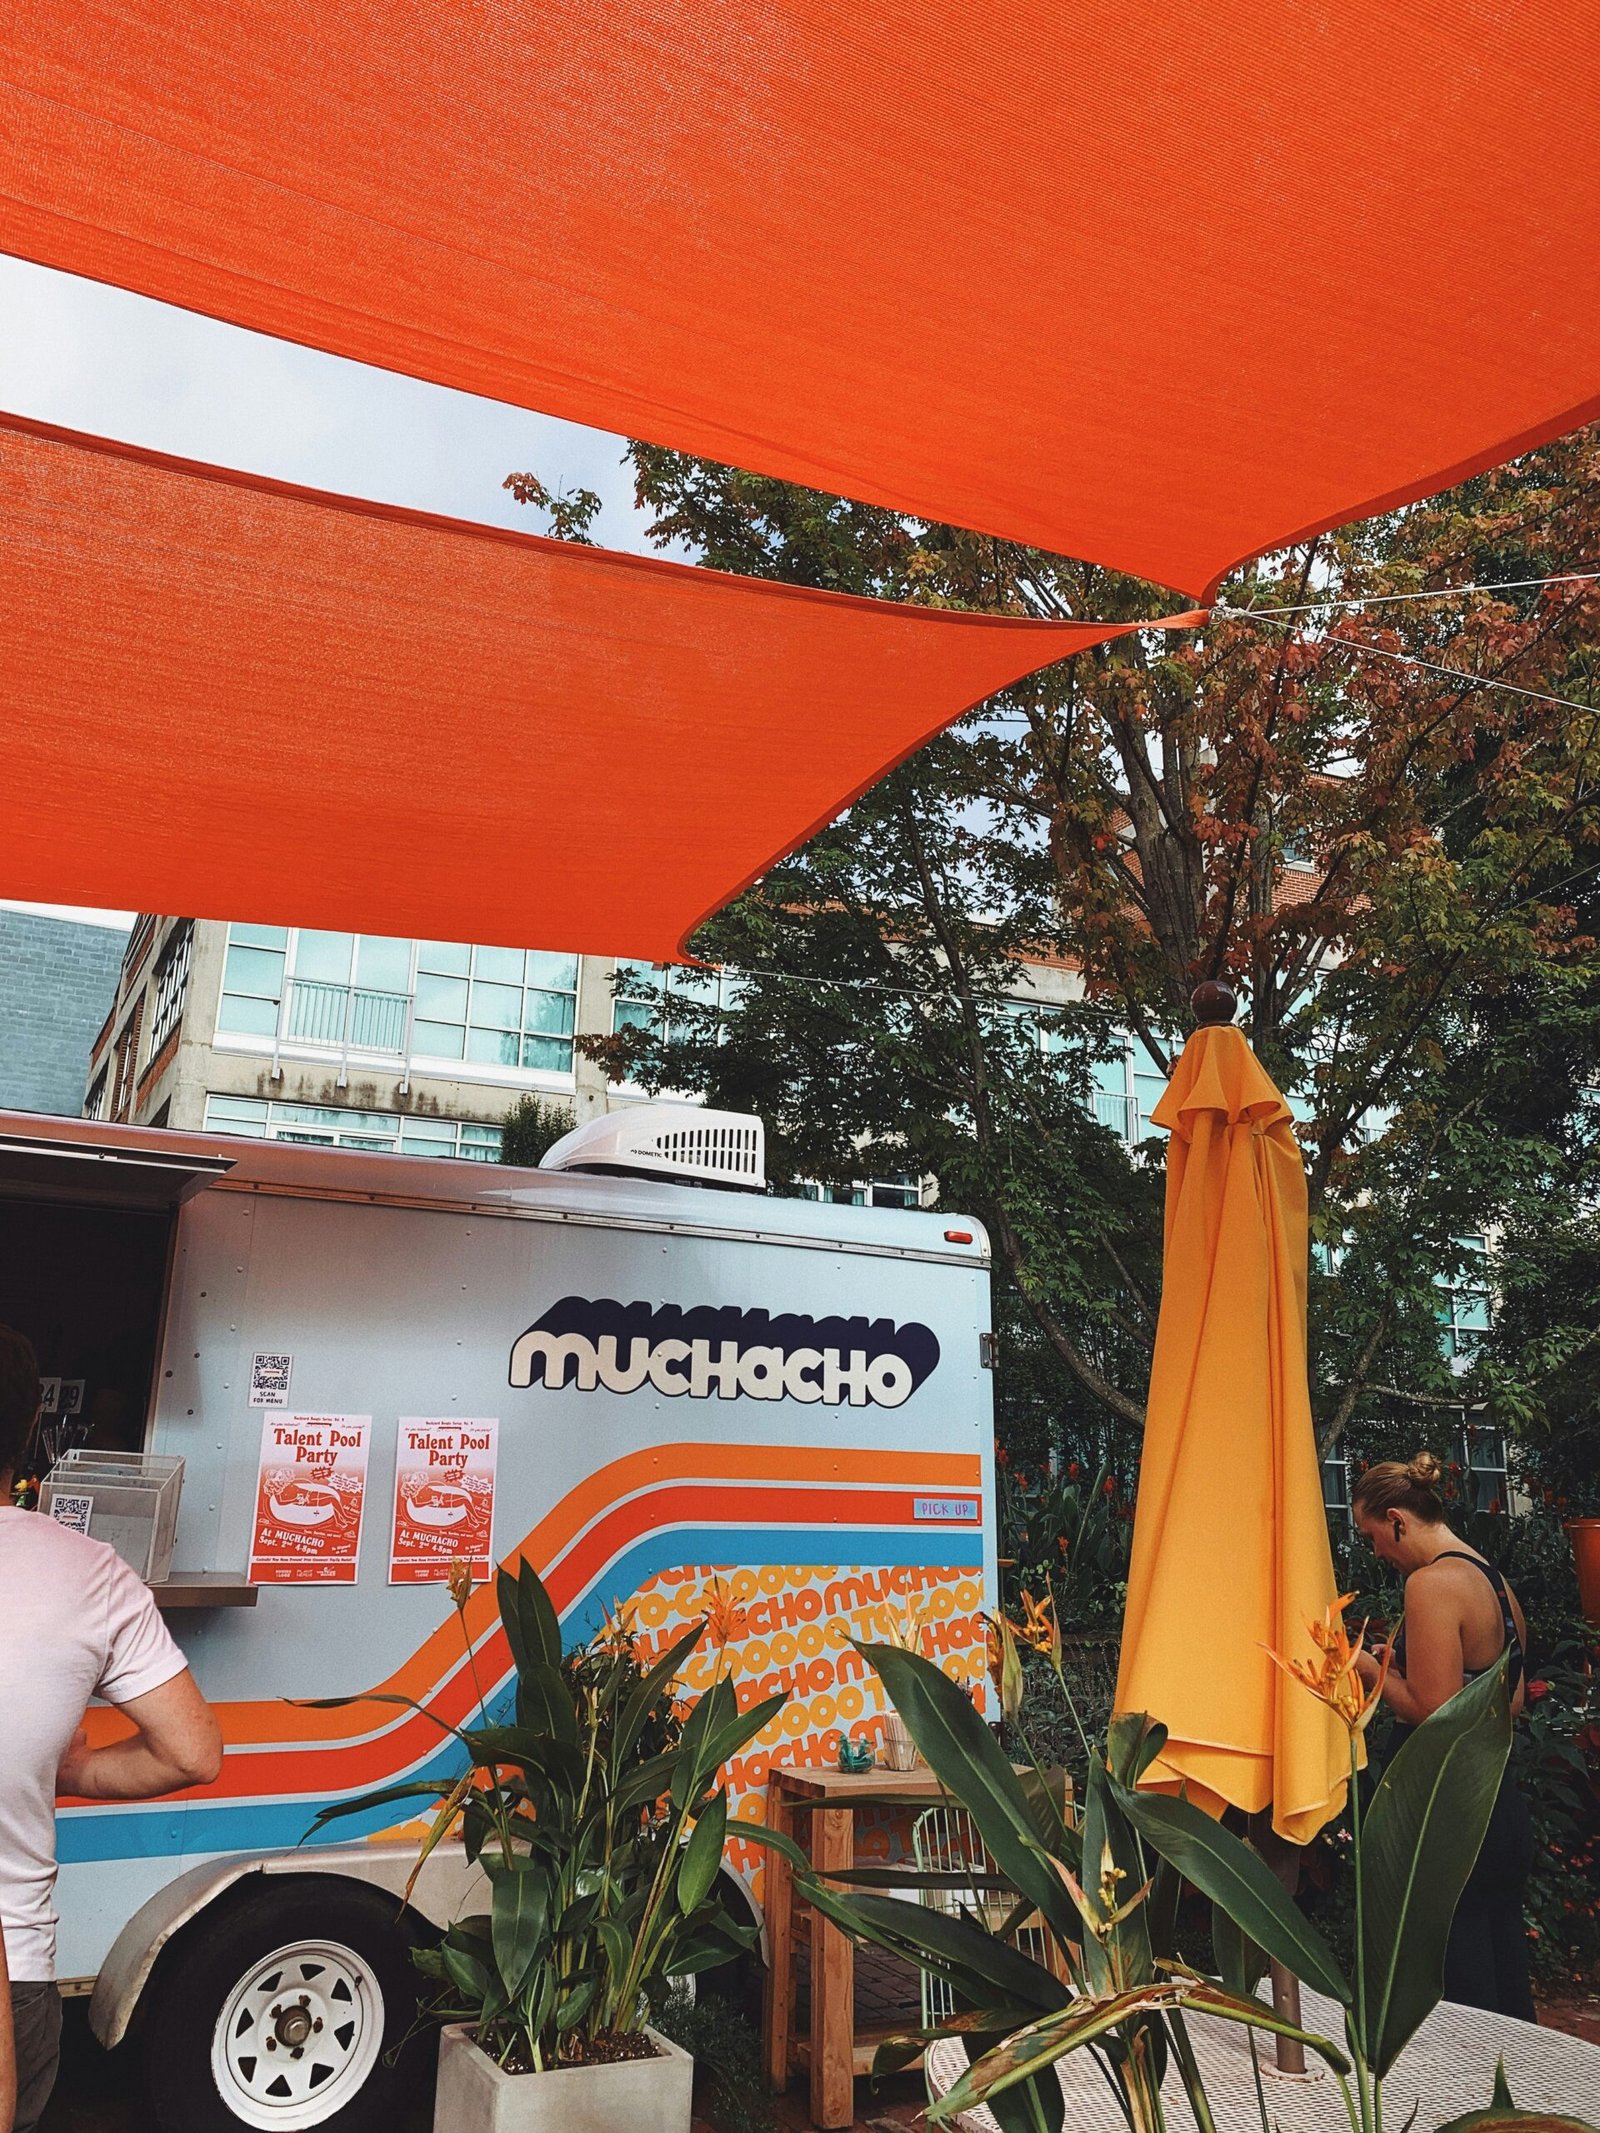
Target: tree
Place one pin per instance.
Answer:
(531, 1129)
(1365, 797)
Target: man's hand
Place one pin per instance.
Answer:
(177, 1743)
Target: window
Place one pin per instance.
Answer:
(901, 1190)
(1464, 1308)
(498, 1007)
(127, 1060)
(98, 1101)
(1484, 1483)
(1336, 1486)
(334, 1126)
(504, 1008)
(252, 980)
(648, 990)
(172, 982)
(1127, 1090)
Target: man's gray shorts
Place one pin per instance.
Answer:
(36, 2017)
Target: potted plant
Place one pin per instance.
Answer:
(593, 1808)
(1070, 1944)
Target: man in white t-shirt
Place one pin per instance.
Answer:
(77, 1623)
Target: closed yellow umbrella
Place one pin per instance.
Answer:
(1230, 1540)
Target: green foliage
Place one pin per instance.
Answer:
(1070, 1944)
(1070, 1531)
(726, 2048)
(598, 1819)
(1395, 864)
(531, 1128)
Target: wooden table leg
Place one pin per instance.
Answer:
(778, 1907)
(833, 2083)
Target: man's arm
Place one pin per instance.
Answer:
(8, 2049)
(177, 1743)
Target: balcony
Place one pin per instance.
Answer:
(345, 1020)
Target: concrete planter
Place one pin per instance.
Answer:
(628, 2096)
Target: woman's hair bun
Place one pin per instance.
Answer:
(1424, 1469)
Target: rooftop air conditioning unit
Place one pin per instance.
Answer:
(724, 1148)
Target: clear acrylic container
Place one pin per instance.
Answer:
(129, 1499)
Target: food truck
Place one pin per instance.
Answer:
(632, 1366)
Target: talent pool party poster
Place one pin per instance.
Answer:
(310, 1492)
(443, 1498)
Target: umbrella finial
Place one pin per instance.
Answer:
(1213, 1002)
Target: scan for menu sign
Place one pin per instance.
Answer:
(309, 1496)
(269, 1380)
(443, 1498)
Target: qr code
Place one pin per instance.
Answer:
(269, 1380)
(73, 1512)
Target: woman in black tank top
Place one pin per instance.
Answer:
(1460, 1617)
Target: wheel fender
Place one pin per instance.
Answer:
(441, 1892)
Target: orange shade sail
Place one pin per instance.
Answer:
(1230, 1540)
(1161, 287)
(231, 698)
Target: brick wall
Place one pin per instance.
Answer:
(57, 981)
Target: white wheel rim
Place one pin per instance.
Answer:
(297, 2036)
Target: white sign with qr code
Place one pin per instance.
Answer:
(73, 1512)
(269, 1380)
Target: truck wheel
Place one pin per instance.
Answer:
(287, 2010)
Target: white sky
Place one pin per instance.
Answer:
(98, 359)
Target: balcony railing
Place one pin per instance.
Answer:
(345, 1020)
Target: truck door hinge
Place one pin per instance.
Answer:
(988, 1350)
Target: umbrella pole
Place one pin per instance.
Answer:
(1284, 1860)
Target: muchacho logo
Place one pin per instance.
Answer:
(715, 1350)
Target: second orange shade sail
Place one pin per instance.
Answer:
(234, 699)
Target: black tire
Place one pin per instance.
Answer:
(287, 1953)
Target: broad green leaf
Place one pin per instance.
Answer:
(544, 1703)
(966, 1758)
(1239, 1880)
(715, 1710)
(649, 1692)
(702, 1856)
(1419, 1841)
(1502, 2112)
(536, 1617)
(617, 1945)
(1240, 1963)
(468, 1973)
(738, 1731)
(983, 1968)
(1133, 1741)
(1088, 2020)
(576, 2005)
(1128, 1956)
(519, 1914)
(423, 1788)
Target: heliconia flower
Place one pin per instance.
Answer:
(1038, 1629)
(1005, 1663)
(1335, 1680)
(459, 1581)
(724, 1618)
(619, 1628)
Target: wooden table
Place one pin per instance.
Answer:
(828, 1801)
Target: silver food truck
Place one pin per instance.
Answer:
(660, 1385)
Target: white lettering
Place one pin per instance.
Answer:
(889, 1380)
(798, 1382)
(623, 1377)
(554, 1349)
(839, 1378)
(724, 1371)
(662, 1376)
(761, 1373)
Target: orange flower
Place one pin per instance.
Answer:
(1038, 1629)
(724, 1618)
(1335, 1679)
(618, 1630)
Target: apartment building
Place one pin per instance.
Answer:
(356, 1040)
